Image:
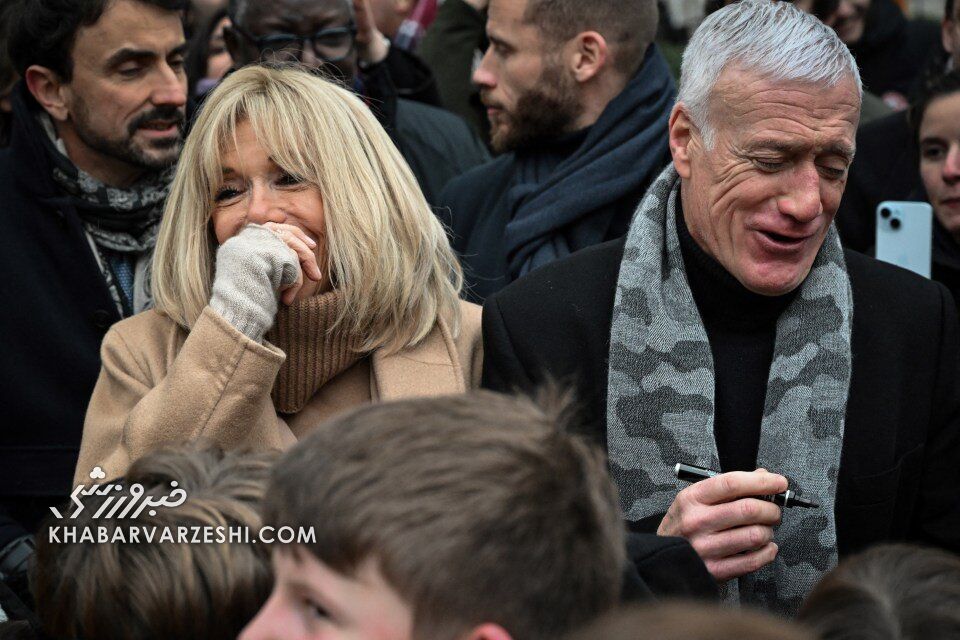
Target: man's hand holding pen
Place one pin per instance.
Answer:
(730, 528)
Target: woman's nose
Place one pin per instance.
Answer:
(951, 167)
(265, 206)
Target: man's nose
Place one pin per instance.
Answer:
(951, 167)
(309, 58)
(802, 202)
(264, 206)
(171, 88)
(483, 76)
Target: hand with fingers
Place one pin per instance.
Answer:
(729, 527)
(309, 275)
(255, 268)
(372, 47)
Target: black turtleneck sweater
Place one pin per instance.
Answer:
(741, 327)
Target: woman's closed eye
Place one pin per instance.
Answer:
(225, 193)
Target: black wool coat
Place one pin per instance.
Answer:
(55, 308)
(900, 464)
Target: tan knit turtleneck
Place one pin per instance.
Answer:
(315, 355)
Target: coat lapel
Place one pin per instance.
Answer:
(431, 368)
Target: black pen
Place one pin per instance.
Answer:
(787, 499)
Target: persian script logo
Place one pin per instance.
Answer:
(124, 506)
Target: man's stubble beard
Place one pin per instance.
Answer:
(125, 149)
(546, 111)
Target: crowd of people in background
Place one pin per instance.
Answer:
(455, 289)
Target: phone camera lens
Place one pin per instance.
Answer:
(895, 224)
(884, 213)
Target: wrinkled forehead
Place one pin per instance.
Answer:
(742, 95)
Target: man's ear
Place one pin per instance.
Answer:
(488, 631)
(47, 89)
(590, 55)
(683, 135)
(948, 35)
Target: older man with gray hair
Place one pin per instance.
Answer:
(729, 329)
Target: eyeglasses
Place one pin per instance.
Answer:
(330, 45)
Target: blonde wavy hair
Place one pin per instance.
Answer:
(387, 251)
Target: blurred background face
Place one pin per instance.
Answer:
(301, 18)
(848, 19)
(940, 159)
(200, 11)
(762, 199)
(950, 28)
(528, 93)
(5, 91)
(218, 58)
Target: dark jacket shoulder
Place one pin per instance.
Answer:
(474, 190)
(586, 282)
(554, 325)
(437, 145)
(887, 292)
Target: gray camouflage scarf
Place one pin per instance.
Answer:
(661, 395)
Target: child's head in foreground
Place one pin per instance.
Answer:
(159, 590)
(889, 592)
(473, 517)
(689, 621)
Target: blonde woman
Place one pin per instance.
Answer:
(298, 272)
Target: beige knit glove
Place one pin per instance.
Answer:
(252, 267)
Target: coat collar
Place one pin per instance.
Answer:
(432, 367)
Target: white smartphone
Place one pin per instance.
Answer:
(905, 235)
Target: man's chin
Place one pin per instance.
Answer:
(774, 280)
(160, 155)
(501, 139)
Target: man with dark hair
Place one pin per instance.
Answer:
(97, 128)
(472, 516)
(323, 34)
(578, 100)
(887, 155)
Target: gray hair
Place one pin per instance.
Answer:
(774, 39)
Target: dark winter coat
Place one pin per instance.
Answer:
(56, 310)
(900, 464)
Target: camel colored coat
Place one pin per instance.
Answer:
(160, 385)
